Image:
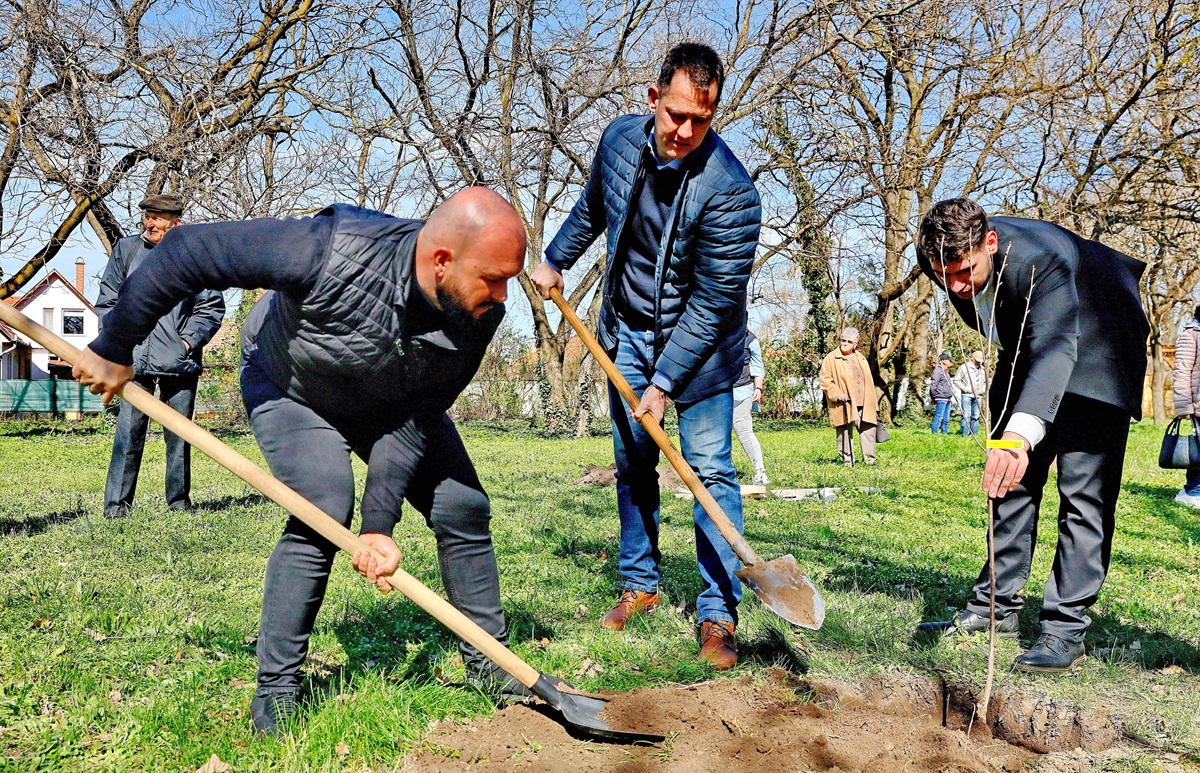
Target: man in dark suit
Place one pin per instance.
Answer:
(1068, 318)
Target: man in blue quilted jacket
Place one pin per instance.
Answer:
(682, 218)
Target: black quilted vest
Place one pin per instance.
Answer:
(342, 349)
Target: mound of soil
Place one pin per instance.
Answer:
(595, 475)
(721, 726)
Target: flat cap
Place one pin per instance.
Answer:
(162, 202)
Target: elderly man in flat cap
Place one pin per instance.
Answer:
(169, 360)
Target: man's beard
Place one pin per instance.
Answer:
(456, 312)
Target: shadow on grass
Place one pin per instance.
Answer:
(862, 571)
(773, 649)
(401, 637)
(226, 502)
(37, 524)
(1160, 500)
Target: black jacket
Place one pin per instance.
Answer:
(195, 320)
(1085, 333)
(940, 388)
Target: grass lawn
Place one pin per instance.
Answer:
(127, 645)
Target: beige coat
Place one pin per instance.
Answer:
(837, 378)
(1187, 370)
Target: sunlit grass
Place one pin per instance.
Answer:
(128, 645)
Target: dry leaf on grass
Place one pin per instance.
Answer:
(214, 765)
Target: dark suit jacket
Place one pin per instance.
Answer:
(1085, 333)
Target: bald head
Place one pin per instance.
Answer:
(468, 249)
(474, 215)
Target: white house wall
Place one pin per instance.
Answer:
(49, 306)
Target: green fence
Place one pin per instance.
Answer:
(47, 396)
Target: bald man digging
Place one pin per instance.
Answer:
(373, 327)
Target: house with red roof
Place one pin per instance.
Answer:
(62, 307)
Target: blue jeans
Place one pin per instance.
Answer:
(705, 429)
(970, 415)
(941, 417)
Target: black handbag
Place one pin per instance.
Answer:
(1178, 451)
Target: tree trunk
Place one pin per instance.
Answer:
(1159, 371)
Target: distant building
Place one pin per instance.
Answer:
(16, 355)
(58, 305)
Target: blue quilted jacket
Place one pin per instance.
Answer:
(703, 264)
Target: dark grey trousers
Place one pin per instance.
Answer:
(179, 392)
(1088, 440)
(429, 468)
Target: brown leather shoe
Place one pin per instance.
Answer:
(632, 602)
(716, 644)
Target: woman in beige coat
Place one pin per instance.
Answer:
(850, 392)
(1187, 396)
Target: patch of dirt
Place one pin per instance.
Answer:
(595, 475)
(1034, 721)
(724, 726)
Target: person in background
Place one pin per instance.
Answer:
(941, 392)
(846, 379)
(747, 392)
(1187, 396)
(971, 381)
(169, 359)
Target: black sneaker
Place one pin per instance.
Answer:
(271, 712)
(966, 623)
(1051, 653)
(498, 685)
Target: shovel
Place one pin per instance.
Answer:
(580, 712)
(779, 583)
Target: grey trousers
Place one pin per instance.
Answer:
(129, 442)
(866, 439)
(1088, 440)
(743, 427)
(430, 468)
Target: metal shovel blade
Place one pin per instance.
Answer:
(785, 590)
(582, 712)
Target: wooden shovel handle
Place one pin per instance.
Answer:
(288, 499)
(723, 524)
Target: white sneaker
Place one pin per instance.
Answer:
(761, 479)
(1191, 500)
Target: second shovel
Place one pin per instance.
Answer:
(778, 583)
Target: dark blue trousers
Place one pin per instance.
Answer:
(179, 392)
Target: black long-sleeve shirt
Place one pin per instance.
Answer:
(290, 256)
(283, 255)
